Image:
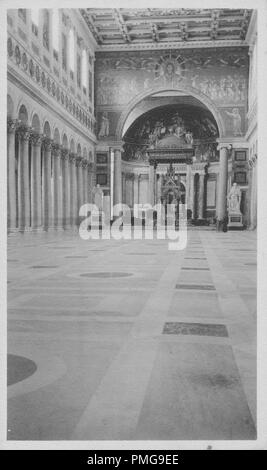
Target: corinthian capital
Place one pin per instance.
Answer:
(36, 139)
(72, 157)
(11, 125)
(79, 161)
(23, 132)
(90, 166)
(225, 145)
(56, 150)
(84, 163)
(47, 143)
(64, 154)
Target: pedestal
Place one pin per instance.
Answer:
(235, 220)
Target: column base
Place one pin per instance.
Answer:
(71, 228)
(221, 226)
(37, 229)
(24, 229)
(200, 221)
(56, 228)
(12, 231)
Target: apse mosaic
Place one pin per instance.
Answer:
(192, 126)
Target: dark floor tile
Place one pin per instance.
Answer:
(195, 286)
(201, 329)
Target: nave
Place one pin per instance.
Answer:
(125, 340)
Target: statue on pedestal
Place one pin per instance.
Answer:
(234, 213)
(98, 197)
(234, 199)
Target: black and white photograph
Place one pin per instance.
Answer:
(132, 167)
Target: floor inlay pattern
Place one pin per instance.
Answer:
(195, 269)
(106, 275)
(43, 267)
(19, 368)
(195, 286)
(121, 353)
(201, 329)
(75, 257)
(60, 247)
(241, 249)
(141, 254)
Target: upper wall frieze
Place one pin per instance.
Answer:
(37, 74)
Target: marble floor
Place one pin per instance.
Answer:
(127, 340)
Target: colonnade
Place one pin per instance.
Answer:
(135, 193)
(47, 183)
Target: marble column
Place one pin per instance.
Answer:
(192, 194)
(155, 187)
(123, 176)
(90, 182)
(253, 195)
(47, 184)
(136, 189)
(85, 181)
(201, 196)
(23, 179)
(159, 186)
(73, 190)
(188, 188)
(11, 179)
(65, 188)
(222, 188)
(151, 182)
(57, 205)
(117, 177)
(36, 182)
(79, 184)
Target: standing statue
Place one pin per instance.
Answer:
(179, 131)
(236, 118)
(104, 127)
(98, 196)
(189, 137)
(234, 199)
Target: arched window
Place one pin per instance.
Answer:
(90, 86)
(64, 52)
(22, 14)
(35, 16)
(46, 30)
(84, 69)
(55, 31)
(35, 21)
(79, 70)
(71, 50)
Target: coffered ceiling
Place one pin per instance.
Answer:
(147, 28)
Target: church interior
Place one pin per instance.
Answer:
(124, 339)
